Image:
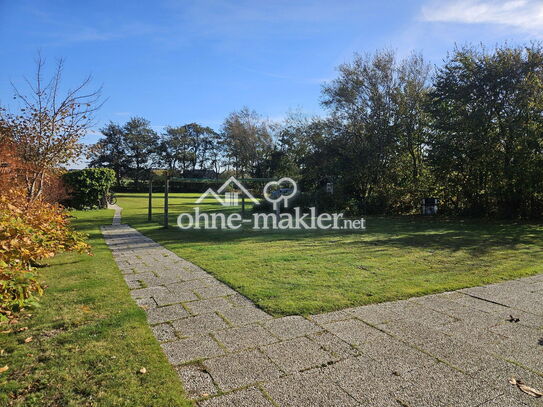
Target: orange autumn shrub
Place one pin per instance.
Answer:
(30, 232)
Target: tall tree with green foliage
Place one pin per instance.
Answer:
(141, 143)
(247, 140)
(201, 139)
(189, 147)
(111, 152)
(487, 131)
(376, 128)
(174, 149)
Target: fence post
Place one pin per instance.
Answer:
(150, 209)
(166, 188)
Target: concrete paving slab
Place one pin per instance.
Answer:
(291, 327)
(364, 379)
(354, 332)
(146, 303)
(497, 375)
(190, 286)
(244, 315)
(442, 386)
(305, 391)
(148, 292)
(199, 324)
(191, 349)
(241, 369)
(481, 304)
(197, 382)
(219, 290)
(251, 397)
(375, 314)
(395, 355)
(298, 354)
(245, 337)
(333, 316)
(334, 345)
(239, 300)
(165, 314)
(209, 305)
(503, 401)
(173, 297)
(164, 332)
(427, 316)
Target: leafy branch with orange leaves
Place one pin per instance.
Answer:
(34, 145)
(30, 231)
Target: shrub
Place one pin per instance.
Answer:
(88, 187)
(29, 232)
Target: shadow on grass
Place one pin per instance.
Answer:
(475, 236)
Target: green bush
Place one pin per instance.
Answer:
(88, 187)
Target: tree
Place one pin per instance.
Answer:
(215, 152)
(141, 142)
(410, 99)
(487, 130)
(376, 123)
(111, 152)
(49, 126)
(189, 147)
(247, 140)
(200, 139)
(174, 149)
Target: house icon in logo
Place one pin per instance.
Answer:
(230, 198)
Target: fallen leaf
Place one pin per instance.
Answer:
(29, 339)
(143, 370)
(524, 388)
(7, 331)
(3, 369)
(24, 328)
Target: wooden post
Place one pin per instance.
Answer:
(166, 187)
(150, 208)
(242, 205)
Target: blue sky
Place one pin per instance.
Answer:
(174, 62)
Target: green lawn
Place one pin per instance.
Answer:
(311, 272)
(89, 339)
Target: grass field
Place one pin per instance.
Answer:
(311, 272)
(89, 339)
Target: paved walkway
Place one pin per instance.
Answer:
(453, 349)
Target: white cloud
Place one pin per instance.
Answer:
(525, 15)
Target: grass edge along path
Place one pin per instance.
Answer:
(89, 339)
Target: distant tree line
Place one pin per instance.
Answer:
(468, 132)
(190, 150)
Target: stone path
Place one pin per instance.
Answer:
(453, 349)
